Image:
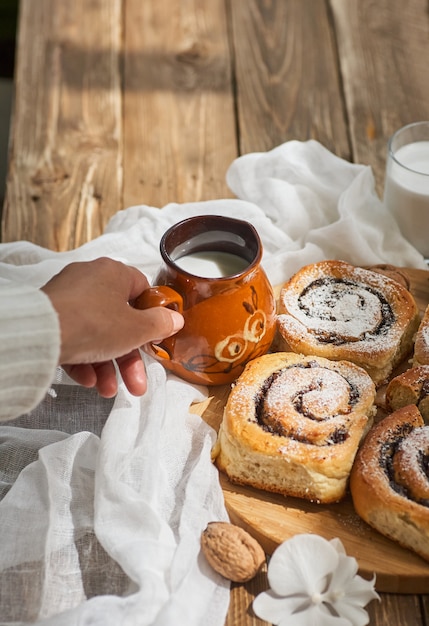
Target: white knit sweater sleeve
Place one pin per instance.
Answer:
(29, 348)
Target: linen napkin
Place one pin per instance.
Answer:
(103, 503)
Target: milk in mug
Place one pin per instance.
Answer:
(406, 192)
(212, 264)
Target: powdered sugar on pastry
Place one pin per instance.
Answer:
(335, 310)
(421, 347)
(340, 310)
(309, 403)
(410, 464)
(292, 424)
(382, 483)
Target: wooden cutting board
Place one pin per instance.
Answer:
(272, 518)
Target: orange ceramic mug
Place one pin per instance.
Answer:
(211, 272)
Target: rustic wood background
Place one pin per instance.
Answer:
(124, 102)
(129, 102)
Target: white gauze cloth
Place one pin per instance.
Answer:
(103, 503)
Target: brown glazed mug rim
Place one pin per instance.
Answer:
(183, 232)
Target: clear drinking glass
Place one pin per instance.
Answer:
(406, 190)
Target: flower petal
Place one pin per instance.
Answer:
(314, 583)
(301, 564)
(338, 545)
(285, 612)
(315, 616)
(360, 591)
(345, 572)
(273, 608)
(354, 615)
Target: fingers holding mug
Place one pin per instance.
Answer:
(162, 306)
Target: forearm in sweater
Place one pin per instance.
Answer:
(29, 348)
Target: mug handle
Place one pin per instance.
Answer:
(160, 295)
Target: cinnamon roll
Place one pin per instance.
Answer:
(396, 273)
(389, 481)
(410, 387)
(292, 425)
(341, 312)
(421, 345)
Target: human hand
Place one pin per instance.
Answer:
(98, 325)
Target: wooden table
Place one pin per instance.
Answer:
(123, 102)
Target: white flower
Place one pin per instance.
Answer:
(314, 583)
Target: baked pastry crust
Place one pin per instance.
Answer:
(292, 425)
(396, 273)
(410, 387)
(341, 312)
(382, 498)
(421, 345)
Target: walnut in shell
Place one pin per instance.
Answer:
(231, 551)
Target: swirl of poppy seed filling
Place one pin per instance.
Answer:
(339, 311)
(388, 451)
(424, 391)
(340, 401)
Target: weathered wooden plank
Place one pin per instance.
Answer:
(384, 52)
(240, 611)
(424, 602)
(395, 610)
(65, 174)
(179, 126)
(287, 75)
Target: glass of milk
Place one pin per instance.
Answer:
(406, 190)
